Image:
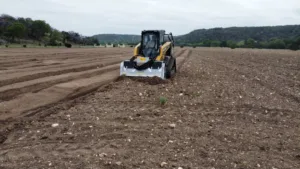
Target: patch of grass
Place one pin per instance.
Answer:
(162, 100)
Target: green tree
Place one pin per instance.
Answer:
(56, 37)
(297, 41)
(16, 30)
(46, 38)
(293, 46)
(39, 28)
(231, 44)
(207, 43)
(2, 30)
(223, 44)
(277, 44)
(250, 43)
(240, 44)
(215, 43)
(264, 44)
(27, 22)
(66, 36)
(8, 18)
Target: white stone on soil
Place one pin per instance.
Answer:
(119, 163)
(172, 125)
(163, 164)
(55, 125)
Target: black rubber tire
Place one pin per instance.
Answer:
(170, 69)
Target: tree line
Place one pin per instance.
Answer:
(273, 43)
(17, 30)
(118, 38)
(270, 37)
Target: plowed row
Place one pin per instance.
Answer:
(32, 78)
(225, 109)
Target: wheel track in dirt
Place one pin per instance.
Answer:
(71, 88)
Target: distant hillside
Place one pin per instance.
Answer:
(117, 38)
(236, 34)
(241, 33)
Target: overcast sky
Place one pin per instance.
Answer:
(90, 17)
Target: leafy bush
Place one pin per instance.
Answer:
(24, 46)
(293, 46)
(277, 44)
(6, 45)
(68, 45)
(162, 100)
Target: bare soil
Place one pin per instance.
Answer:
(34, 78)
(225, 109)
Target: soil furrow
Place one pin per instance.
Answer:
(13, 90)
(39, 87)
(50, 64)
(212, 114)
(35, 75)
(54, 94)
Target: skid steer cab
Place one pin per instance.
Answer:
(153, 56)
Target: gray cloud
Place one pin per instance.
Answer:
(131, 16)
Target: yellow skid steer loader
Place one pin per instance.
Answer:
(153, 56)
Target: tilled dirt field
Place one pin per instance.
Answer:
(225, 109)
(33, 78)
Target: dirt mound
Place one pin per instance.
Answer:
(147, 80)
